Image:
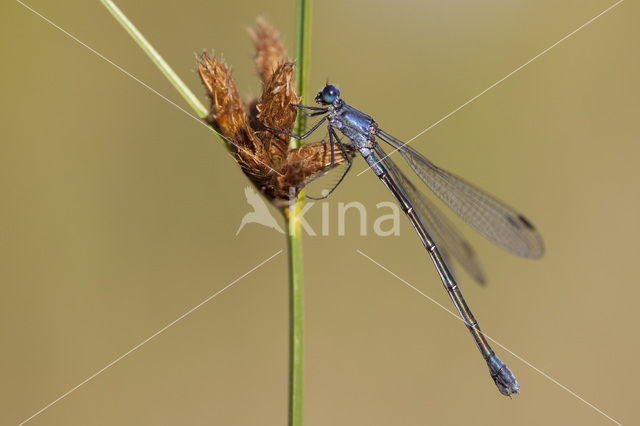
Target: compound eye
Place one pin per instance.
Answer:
(330, 93)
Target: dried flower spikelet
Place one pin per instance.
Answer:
(278, 97)
(263, 154)
(227, 108)
(276, 110)
(269, 51)
(228, 115)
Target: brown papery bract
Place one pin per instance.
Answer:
(263, 154)
(269, 51)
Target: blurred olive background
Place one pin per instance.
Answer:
(119, 214)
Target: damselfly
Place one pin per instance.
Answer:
(490, 217)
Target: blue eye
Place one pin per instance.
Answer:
(330, 93)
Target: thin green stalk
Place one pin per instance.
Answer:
(302, 49)
(156, 58)
(295, 312)
(164, 67)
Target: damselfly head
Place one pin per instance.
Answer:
(327, 95)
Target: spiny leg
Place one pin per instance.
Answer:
(312, 114)
(316, 110)
(331, 164)
(332, 134)
(291, 135)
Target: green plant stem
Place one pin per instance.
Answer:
(302, 49)
(156, 58)
(295, 313)
(164, 67)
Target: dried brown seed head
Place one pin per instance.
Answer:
(276, 110)
(263, 154)
(269, 51)
(227, 108)
(228, 115)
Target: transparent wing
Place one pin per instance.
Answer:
(446, 236)
(490, 217)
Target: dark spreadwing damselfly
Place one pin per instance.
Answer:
(490, 217)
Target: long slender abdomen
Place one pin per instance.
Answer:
(500, 373)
